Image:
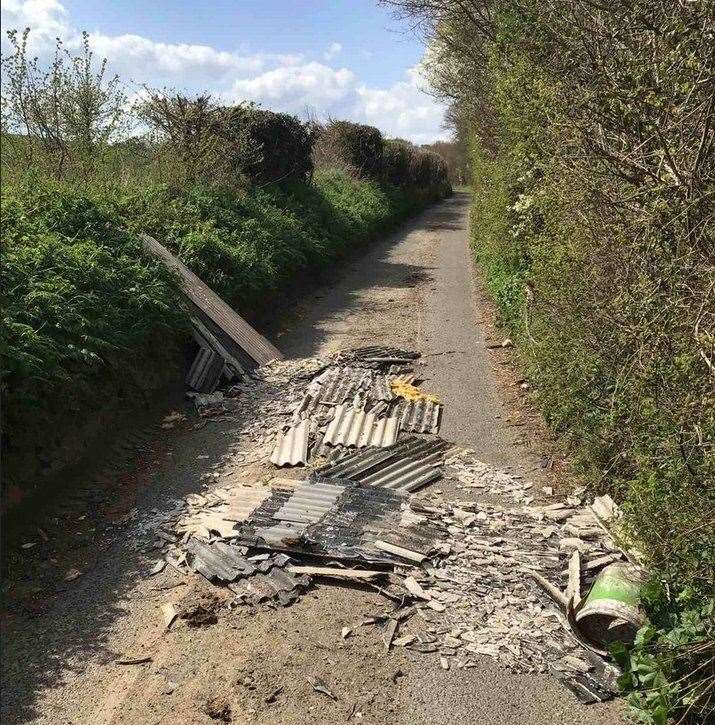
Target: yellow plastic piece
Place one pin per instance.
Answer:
(410, 392)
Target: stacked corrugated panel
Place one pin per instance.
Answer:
(205, 371)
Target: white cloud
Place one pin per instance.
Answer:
(292, 87)
(333, 50)
(48, 20)
(138, 56)
(281, 82)
(404, 109)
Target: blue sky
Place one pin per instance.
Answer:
(310, 57)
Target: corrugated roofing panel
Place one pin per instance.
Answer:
(407, 466)
(291, 447)
(419, 416)
(357, 429)
(347, 529)
(205, 371)
(309, 503)
(210, 304)
(342, 385)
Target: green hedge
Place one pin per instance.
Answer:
(90, 323)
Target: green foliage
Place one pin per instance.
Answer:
(62, 118)
(352, 147)
(593, 172)
(396, 159)
(670, 665)
(282, 144)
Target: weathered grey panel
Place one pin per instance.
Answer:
(210, 304)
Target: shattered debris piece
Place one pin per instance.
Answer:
(169, 613)
(319, 685)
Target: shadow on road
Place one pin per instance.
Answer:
(301, 330)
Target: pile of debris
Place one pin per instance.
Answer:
(483, 575)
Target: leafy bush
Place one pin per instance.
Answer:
(281, 144)
(428, 169)
(351, 147)
(396, 160)
(86, 318)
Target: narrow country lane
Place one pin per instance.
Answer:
(417, 290)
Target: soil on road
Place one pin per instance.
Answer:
(79, 598)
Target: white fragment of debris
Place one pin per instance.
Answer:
(169, 614)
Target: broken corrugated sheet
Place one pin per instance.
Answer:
(380, 388)
(222, 510)
(419, 416)
(240, 335)
(407, 466)
(358, 429)
(218, 561)
(205, 371)
(291, 447)
(336, 519)
(254, 579)
(341, 385)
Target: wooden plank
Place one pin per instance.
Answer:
(337, 573)
(210, 304)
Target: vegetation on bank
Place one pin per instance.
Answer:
(592, 129)
(90, 323)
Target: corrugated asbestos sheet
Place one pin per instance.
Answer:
(217, 561)
(341, 385)
(357, 429)
(380, 388)
(205, 371)
(419, 416)
(249, 342)
(407, 466)
(332, 387)
(336, 519)
(309, 502)
(291, 447)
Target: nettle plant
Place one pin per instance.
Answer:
(62, 118)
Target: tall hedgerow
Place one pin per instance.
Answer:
(593, 133)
